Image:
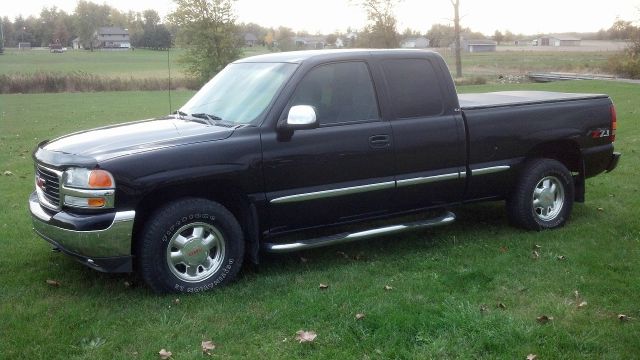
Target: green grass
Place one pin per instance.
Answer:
(440, 278)
(521, 62)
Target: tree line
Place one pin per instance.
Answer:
(54, 25)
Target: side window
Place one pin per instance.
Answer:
(340, 93)
(414, 88)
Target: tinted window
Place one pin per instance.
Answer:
(340, 93)
(414, 88)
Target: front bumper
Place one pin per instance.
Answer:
(101, 241)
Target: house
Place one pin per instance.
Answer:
(415, 43)
(558, 40)
(76, 44)
(250, 40)
(310, 42)
(111, 38)
(474, 46)
(523, 42)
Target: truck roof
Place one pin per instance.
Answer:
(297, 57)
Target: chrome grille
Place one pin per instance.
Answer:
(49, 190)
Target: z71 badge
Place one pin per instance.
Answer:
(599, 133)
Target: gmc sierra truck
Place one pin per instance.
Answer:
(278, 144)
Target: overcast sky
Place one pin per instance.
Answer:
(326, 16)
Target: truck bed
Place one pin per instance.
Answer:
(510, 98)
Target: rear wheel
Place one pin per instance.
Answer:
(190, 245)
(542, 197)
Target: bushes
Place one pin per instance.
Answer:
(627, 64)
(53, 82)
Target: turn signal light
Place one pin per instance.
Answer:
(100, 179)
(614, 122)
(96, 202)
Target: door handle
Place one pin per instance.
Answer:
(379, 141)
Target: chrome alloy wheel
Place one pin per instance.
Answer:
(195, 252)
(548, 198)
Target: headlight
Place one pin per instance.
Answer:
(88, 179)
(90, 189)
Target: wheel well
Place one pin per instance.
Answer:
(223, 193)
(566, 151)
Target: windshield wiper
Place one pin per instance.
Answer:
(180, 114)
(213, 119)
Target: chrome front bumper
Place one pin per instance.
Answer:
(102, 247)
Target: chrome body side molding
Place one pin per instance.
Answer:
(490, 170)
(427, 179)
(334, 192)
(444, 219)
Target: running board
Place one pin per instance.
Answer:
(446, 218)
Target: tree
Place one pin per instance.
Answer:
(284, 38)
(381, 31)
(456, 29)
(440, 35)
(89, 17)
(208, 31)
(331, 39)
(498, 37)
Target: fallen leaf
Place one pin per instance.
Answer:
(388, 287)
(305, 336)
(537, 247)
(535, 255)
(532, 357)
(576, 294)
(343, 254)
(483, 308)
(127, 284)
(502, 306)
(207, 346)
(303, 259)
(164, 354)
(323, 286)
(562, 258)
(600, 209)
(359, 316)
(623, 317)
(504, 249)
(176, 301)
(582, 304)
(8, 173)
(543, 319)
(53, 283)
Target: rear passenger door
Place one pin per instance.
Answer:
(340, 171)
(428, 131)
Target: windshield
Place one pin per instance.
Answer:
(240, 92)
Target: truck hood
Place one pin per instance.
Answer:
(87, 148)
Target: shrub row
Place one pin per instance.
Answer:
(53, 82)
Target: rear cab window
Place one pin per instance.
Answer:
(414, 88)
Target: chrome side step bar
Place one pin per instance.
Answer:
(446, 218)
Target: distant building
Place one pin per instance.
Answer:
(415, 43)
(75, 44)
(112, 38)
(250, 40)
(474, 46)
(309, 42)
(523, 42)
(24, 45)
(558, 40)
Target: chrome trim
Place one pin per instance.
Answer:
(334, 192)
(427, 179)
(490, 170)
(445, 219)
(463, 174)
(41, 197)
(107, 194)
(113, 241)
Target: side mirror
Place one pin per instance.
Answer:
(301, 117)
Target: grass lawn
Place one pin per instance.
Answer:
(446, 282)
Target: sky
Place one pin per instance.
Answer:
(328, 16)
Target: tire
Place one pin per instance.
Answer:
(542, 197)
(190, 245)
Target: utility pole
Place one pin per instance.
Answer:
(456, 30)
(1, 38)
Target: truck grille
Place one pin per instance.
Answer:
(48, 183)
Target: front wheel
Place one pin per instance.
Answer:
(542, 197)
(190, 245)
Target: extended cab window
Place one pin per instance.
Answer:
(414, 89)
(340, 93)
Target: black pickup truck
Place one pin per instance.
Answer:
(278, 144)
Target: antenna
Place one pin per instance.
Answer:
(169, 68)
